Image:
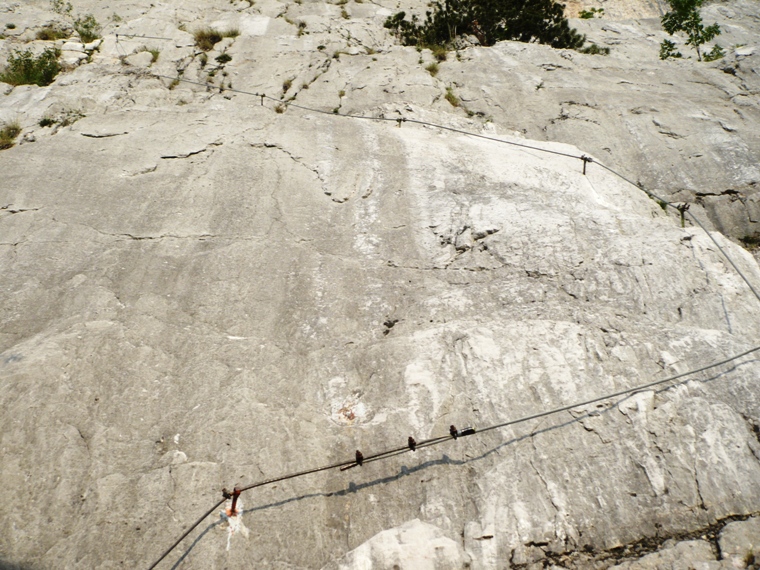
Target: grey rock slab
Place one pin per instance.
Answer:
(198, 291)
(141, 59)
(227, 272)
(681, 556)
(740, 542)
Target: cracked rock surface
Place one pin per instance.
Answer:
(201, 288)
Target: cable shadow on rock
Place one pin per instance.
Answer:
(404, 471)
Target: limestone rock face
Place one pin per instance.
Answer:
(412, 546)
(202, 288)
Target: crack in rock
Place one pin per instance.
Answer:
(7, 209)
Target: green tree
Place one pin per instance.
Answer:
(541, 21)
(684, 17)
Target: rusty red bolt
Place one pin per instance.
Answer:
(235, 495)
(232, 511)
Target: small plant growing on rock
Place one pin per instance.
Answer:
(715, 53)
(10, 26)
(594, 49)
(223, 58)
(668, 50)
(439, 52)
(752, 243)
(24, 68)
(46, 122)
(432, 69)
(286, 85)
(684, 17)
(207, 38)
(8, 134)
(71, 116)
(452, 98)
(590, 13)
(61, 7)
(154, 53)
(49, 33)
(87, 27)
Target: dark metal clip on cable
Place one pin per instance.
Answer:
(453, 431)
(683, 208)
(359, 461)
(412, 443)
(262, 99)
(586, 159)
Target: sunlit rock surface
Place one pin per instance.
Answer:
(198, 291)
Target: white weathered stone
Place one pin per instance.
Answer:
(414, 545)
(73, 46)
(140, 59)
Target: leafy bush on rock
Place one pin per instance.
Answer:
(490, 21)
(24, 68)
(684, 17)
(87, 27)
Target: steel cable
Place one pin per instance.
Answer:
(692, 217)
(360, 459)
(459, 434)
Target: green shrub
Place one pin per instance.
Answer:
(46, 122)
(491, 21)
(154, 53)
(223, 58)
(715, 53)
(594, 49)
(591, 13)
(668, 49)
(10, 26)
(49, 33)
(26, 69)
(87, 27)
(8, 134)
(432, 69)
